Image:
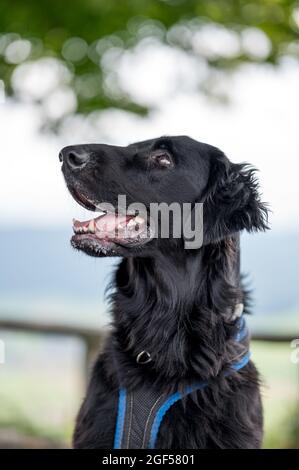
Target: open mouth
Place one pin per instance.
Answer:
(108, 232)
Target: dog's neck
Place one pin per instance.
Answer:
(178, 308)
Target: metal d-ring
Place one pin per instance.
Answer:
(143, 357)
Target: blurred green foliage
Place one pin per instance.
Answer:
(80, 32)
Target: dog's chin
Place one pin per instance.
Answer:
(99, 248)
(94, 247)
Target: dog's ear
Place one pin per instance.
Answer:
(232, 201)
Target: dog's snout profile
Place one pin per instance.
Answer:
(74, 157)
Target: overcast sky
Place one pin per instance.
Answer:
(260, 126)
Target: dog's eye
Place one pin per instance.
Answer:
(161, 159)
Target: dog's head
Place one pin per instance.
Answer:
(124, 184)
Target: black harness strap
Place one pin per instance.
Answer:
(141, 408)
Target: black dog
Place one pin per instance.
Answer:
(172, 307)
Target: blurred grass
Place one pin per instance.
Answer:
(41, 398)
(280, 392)
(41, 385)
(40, 404)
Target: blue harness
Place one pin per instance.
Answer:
(141, 412)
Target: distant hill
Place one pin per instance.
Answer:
(272, 261)
(40, 275)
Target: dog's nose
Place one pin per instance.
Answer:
(74, 158)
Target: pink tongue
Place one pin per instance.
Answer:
(110, 222)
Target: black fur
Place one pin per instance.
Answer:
(176, 303)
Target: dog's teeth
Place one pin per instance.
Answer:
(91, 226)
